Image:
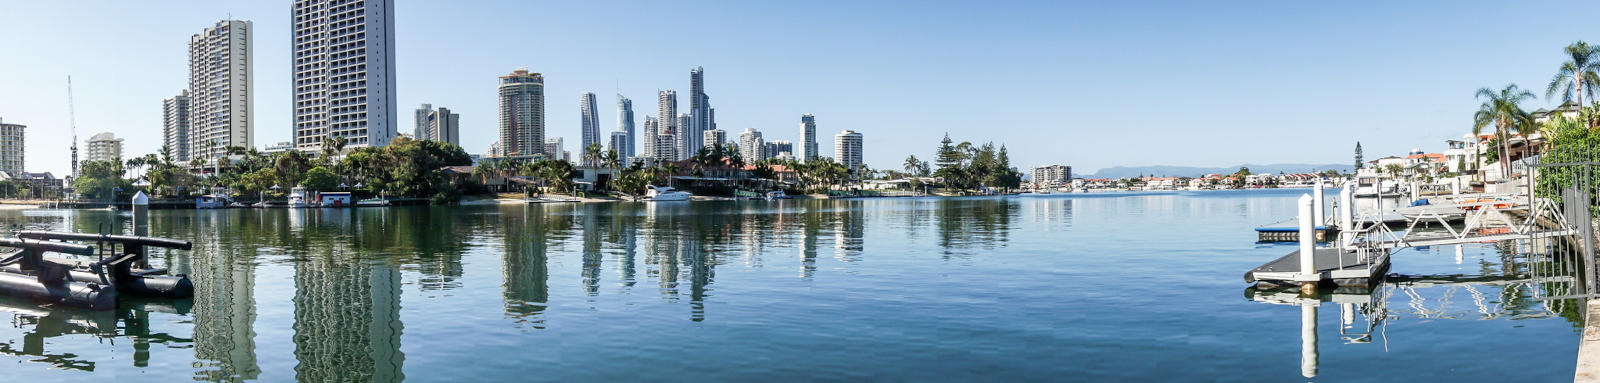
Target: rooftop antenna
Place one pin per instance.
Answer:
(72, 120)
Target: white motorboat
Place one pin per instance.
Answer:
(297, 197)
(776, 194)
(1447, 211)
(666, 193)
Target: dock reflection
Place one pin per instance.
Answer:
(1522, 280)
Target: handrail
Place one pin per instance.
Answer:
(122, 239)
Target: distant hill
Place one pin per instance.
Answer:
(1191, 171)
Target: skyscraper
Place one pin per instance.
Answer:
(438, 125)
(699, 112)
(687, 148)
(625, 125)
(667, 120)
(175, 126)
(344, 72)
(12, 150)
(220, 85)
(420, 120)
(779, 149)
(847, 149)
(591, 125)
(751, 145)
(808, 138)
(522, 114)
(619, 144)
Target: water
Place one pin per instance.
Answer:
(1053, 288)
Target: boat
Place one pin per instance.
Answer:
(776, 195)
(372, 202)
(1424, 208)
(211, 201)
(666, 194)
(297, 197)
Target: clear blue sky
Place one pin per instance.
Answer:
(1091, 84)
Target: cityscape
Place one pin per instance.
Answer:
(390, 190)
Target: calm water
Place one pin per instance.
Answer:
(1052, 288)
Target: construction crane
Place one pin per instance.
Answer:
(72, 120)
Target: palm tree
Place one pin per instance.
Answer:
(1577, 76)
(1502, 109)
(591, 154)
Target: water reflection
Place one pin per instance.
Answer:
(345, 271)
(1519, 280)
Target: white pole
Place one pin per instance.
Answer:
(1347, 208)
(1316, 194)
(1414, 192)
(1308, 340)
(1308, 246)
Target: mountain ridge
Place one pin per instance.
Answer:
(1195, 171)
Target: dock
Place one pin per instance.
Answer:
(1340, 267)
(1287, 231)
(1589, 347)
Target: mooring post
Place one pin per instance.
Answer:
(1347, 209)
(141, 223)
(1316, 195)
(1415, 193)
(1308, 248)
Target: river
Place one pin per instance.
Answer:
(1117, 286)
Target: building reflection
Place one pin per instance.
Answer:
(225, 307)
(525, 268)
(347, 312)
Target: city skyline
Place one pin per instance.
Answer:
(1019, 88)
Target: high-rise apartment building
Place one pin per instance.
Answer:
(344, 72)
(591, 125)
(438, 125)
(522, 114)
(808, 137)
(649, 138)
(11, 148)
(847, 149)
(104, 147)
(625, 125)
(175, 127)
(1052, 175)
(667, 120)
(751, 146)
(556, 148)
(714, 138)
(221, 74)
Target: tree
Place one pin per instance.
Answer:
(320, 178)
(912, 164)
(1359, 161)
(1577, 76)
(1503, 110)
(591, 154)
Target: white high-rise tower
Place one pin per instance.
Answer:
(344, 72)
(220, 86)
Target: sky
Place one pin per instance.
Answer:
(1084, 84)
